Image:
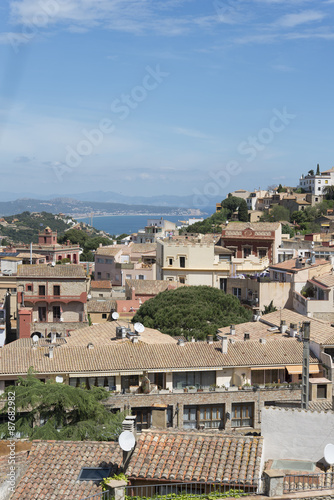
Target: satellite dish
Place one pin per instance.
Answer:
(89, 296)
(35, 338)
(115, 315)
(139, 327)
(59, 379)
(126, 441)
(329, 453)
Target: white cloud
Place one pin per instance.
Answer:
(307, 16)
(196, 134)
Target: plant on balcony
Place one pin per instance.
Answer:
(308, 292)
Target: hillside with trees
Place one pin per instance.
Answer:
(213, 223)
(192, 311)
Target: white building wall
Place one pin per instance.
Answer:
(296, 434)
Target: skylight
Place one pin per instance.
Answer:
(93, 473)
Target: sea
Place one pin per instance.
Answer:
(119, 224)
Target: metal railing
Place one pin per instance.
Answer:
(195, 489)
(306, 482)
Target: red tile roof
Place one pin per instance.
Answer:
(54, 467)
(188, 456)
(100, 284)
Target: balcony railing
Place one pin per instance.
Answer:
(307, 482)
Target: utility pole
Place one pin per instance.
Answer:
(306, 361)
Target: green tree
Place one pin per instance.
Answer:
(269, 309)
(192, 311)
(311, 172)
(243, 212)
(59, 411)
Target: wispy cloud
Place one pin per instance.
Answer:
(306, 16)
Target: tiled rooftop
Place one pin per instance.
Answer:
(126, 356)
(151, 287)
(47, 271)
(181, 456)
(256, 226)
(100, 284)
(326, 280)
(101, 306)
(54, 467)
(290, 265)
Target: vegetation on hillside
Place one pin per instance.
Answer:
(86, 242)
(194, 311)
(213, 223)
(58, 411)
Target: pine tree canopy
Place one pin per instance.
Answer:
(192, 311)
(59, 411)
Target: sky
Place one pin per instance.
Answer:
(153, 97)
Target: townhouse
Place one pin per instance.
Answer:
(192, 385)
(51, 297)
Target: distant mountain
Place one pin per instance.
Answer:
(188, 201)
(78, 208)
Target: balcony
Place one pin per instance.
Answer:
(49, 299)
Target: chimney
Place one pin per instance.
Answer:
(135, 339)
(193, 339)
(128, 423)
(232, 341)
(51, 352)
(293, 330)
(283, 326)
(210, 339)
(180, 342)
(53, 337)
(224, 345)
(246, 336)
(262, 341)
(232, 330)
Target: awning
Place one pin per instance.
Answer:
(298, 369)
(256, 368)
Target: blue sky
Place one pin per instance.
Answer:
(164, 97)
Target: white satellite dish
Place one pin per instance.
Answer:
(329, 453)
(89, 296)
(126, 441)
(35, 338)
(139, 327)
(115, 315)
(59, 379)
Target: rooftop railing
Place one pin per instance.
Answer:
(307, 482)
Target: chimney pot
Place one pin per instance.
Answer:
(224, 345)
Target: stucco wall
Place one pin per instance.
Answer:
(296, 434)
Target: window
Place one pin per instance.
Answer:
(223, 284)
(193, 379)
(247, 252)
(182, 280)
(262, 253)
(242, 415)
(208, 417)
(182, 262)
(56, 290)
(99, 274)
(56, 313)
(104, 315)
(93, 473)
(322, 391)
(109, 261)
(99, 261)
(143, 418)
(41, 290)
(141, 277)
(170, 262)
(236, 292)
(42, 314)
(129, 380)
(108, 275)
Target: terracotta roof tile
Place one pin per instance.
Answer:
(196, 456)
(45, 270)
(100, 284)
(290, 265)
(54, 467)
(103, 306)
(256, 226)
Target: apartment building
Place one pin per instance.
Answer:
(48, 248)
(317, 183)
(51, 298)
(118, 263)
(153, 370)
(155, 229)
